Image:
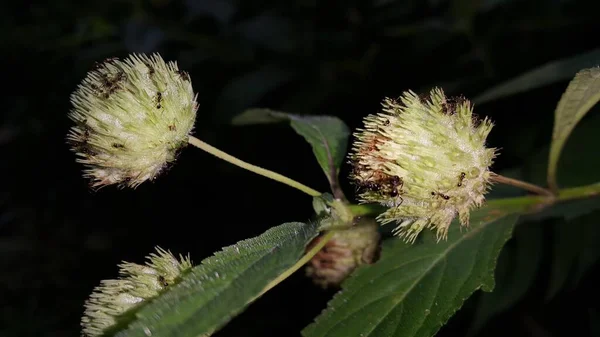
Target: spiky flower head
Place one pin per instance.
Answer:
(132, 116)
(137, 283)
(425, 159)
(344, 252)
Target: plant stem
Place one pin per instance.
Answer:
(309, 255)
(252, 168)
(580, 192)
(522, 184)
(366, 209)
(567, 194)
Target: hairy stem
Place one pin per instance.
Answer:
(522, 184)
(252, 168)
(309, 255)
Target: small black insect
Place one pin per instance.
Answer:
(150, 68)
(184, 75)
(373, 186)
(461, 178)
(394, 184)
(121, 76)
(159, 99)
(103, 64)
(445, 197)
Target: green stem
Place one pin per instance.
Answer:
(309, 255)
(366, 209)
(252, 168)
(579, 192)
(566, 194)
(522, 184)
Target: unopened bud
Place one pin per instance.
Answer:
(344, 252)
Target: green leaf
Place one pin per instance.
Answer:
(581, 95)
(222, 285)
(414, 290)
(517, 268)
(589, 253)
(577, 167)
(549, 73)
(579, 159)
(327, 135)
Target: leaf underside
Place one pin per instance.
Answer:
(552, 72)
(516, 271)
(581, 95)
(414, 290)
(222, 285)
(327, 135)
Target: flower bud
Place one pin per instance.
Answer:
(343, 253)
(132, 117)
(425, 159)
(137, 284)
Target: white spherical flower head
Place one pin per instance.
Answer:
(137, 284)
(132, 116)
(425, 159)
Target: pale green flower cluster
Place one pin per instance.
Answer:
(424, 158)
(137, 283)
(131, 118)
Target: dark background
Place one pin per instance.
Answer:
(58, 239)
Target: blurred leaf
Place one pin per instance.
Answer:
(578, 162)
(259, 116)
(517, 268)
(549, 73)
(222, 285)
(567, 210)
(463, 12)
(487, 5)
(581, 95)
(589, 253)
(248, 89)
(141, 36)
(221, 10)
(327, 135)
(270, 31)
(414, 289)
(566, 245)
(577, 166)
(421, 27)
